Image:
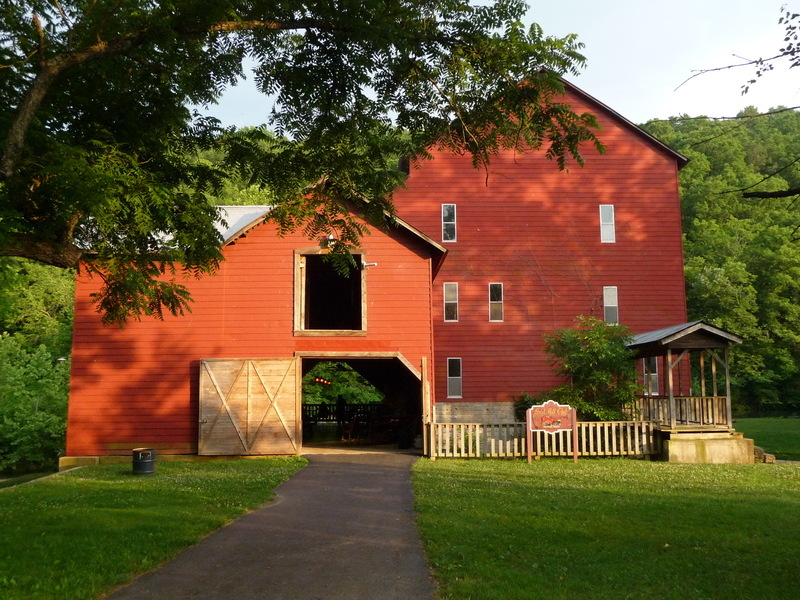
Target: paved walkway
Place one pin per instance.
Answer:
(342, 528)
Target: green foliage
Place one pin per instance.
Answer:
(88, 531)
(99, 151)
(36, 304)
(742, 256)
(608, 528)
(524, 401)
(600, 367)
(344, 382)
(33, 406)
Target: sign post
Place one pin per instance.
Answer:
(551, 417)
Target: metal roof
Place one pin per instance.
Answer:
(663, 337)
(239, 220)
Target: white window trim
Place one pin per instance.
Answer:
(610, 299)
(608, 229)
(445, 302)
(501, 302)
(454, 222)
(460, 378)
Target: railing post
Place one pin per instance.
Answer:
(671, 390)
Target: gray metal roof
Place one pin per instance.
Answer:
(239, 219)
(669, 334)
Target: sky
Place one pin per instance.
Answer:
(640, 54)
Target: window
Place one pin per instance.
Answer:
(450, 301)
(610, 305)
(650, 368)
(327, 300)
(495, 301)
(607, 231)
(454, 378)
(448, 222)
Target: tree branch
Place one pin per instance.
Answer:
(698, 72)
(779, 194)
(50, 70)
(63, 255)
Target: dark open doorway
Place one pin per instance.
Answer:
(390, 417)
(333, 300)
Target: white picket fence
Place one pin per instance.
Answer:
(507, 440)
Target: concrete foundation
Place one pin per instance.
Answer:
(474, 412)
(707, 447)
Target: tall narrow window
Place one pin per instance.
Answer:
(450, 301)
(448, 222)
(650, 368)
(495, 301)
(607, 229)
(454, 378)
(610, 305)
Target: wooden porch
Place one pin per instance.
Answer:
(678, 362)
(684, 413)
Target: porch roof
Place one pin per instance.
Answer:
(695, 335)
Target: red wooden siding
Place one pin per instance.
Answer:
(537, 230)
(139, 385)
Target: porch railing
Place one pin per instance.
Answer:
(507, 440)
(695, 412)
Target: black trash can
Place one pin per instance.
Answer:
(144, 461)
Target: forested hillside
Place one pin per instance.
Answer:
(743, 254)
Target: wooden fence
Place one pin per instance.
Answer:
(507, 440)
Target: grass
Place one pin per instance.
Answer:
(84, 532)
(780, 437)
(609, 529)
(19, 479)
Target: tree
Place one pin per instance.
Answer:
(35, 332)
(338, 379)
(96, 136)
(602, 373)
(742, 256)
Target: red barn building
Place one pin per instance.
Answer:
(225, 378)
(528, 249)
(531, 247)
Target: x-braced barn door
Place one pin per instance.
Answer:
(249, 406)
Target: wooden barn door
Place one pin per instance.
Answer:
(249, 406)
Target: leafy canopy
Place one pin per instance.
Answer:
(742, 255)
(339, 380)
(96, 136)
(602, 373)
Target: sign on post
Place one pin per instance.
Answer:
(552, 417)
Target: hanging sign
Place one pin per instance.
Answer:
(552, 417)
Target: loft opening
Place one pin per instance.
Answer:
(330, 295)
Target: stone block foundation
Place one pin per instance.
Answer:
(702, 447)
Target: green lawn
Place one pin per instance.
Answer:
(82, 533)
(610, 528)
(780, 437)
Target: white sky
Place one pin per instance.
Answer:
(639, 51)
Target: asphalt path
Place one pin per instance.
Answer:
(341, 528)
